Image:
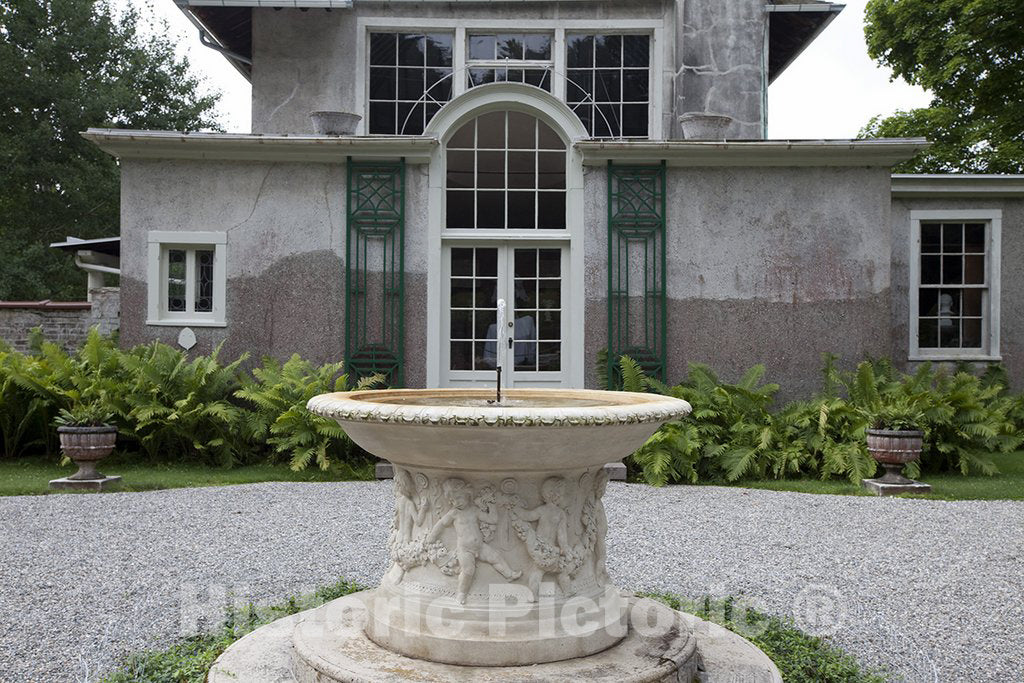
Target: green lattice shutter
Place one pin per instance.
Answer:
(374, 270)
(636, 268)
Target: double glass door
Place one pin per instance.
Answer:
(530, 342)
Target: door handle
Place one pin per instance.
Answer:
(510, 342)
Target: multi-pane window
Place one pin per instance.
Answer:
(410, 80)
(538, 310)
(474, 308)
(512, 57)
(608, 82)
(953, 290)
(187, 278)
(505, 170)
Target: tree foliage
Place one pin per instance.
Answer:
(65, 66)
(970, 55)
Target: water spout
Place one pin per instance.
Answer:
(500, 333)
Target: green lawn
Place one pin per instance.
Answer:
(1007, 485)
(30, 476)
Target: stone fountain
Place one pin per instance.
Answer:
(497, 549)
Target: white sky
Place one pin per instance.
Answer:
(830, 91)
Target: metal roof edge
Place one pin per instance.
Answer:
(906, 185)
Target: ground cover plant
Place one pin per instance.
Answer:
(735, 434)
(802, 658)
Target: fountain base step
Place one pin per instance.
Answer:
(327, 644)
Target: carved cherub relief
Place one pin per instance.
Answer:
(548, 544)
(410, 513)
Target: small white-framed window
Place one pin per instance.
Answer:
(954, 285)
(510, 57)
(187, 278)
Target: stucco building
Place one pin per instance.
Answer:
(531, 153)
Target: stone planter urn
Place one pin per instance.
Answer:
(892, 449)
(704, 125)
(86, 446)
(335, 122)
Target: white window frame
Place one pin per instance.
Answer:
(162, 241)
(463, 27)
(993, 218)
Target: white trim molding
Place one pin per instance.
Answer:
(993, 220)
(957, 185)
(159, 242)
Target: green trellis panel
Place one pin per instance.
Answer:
(375, 270)
(637, 266)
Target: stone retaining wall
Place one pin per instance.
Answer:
(64, 322)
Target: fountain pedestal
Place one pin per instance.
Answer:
(497, 550)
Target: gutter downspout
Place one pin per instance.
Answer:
(95, 274)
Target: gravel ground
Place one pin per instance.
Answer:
(932, 589)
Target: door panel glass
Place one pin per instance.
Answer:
(473, 308)
(538, 295)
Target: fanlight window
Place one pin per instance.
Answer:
(506, 170)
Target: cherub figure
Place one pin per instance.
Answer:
(466, 519)
(600, 523)
(548, 544)
(409, 514)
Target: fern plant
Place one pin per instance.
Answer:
(278, 395)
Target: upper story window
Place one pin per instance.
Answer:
(187, 278)
(410, 80)
(608, 82)
(505, 170)
(511, 57)
(955, 288)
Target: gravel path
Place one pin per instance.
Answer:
(932, 588)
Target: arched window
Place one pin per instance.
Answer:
(505, 170)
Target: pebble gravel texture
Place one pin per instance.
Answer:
(931, 589)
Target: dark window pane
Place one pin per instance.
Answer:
(439, 84)
(383, 48)
(548, 138)
(204, 281)
(526, 355)
(486, 292)
(522, 131)
(481, 47)
(952, 270)
(551, 210)
(522, 210)
(462, 324)
(486, 262)
(430, 111)
(439, 49)
(538, 46)
(949, 302)
(410, 118)
(538, 77)
(510, 75)
(490, 133)
(410, 84)
(972, 334)
(952, 237)
(972, 302)
(460, 209)
(949, 333)
(551, 167)
(485, 356)
(634, 86)
(974, 270)
(585, 112)
(549, 357)
(579, 50)
(383, 83)
(928, 301)
(974, 237)
(606, 120)
(463, 138)
(636, 50)
(490, 210)
(634, 120)
(550, 262)
(462, 356)
(549, 293)
(550, 325)
(928, 334)
(930, 268)
(480, 76)
(526, 295)
(462, 262)
(176, 280)
(510, 47)
(526, 263)
(522, 170)
(462, 292)
(608, 50)
(382, 118)
(608, 85)
(490, 169)
(931, 238)
(486, 324)
(580, 86)
(460, 169)
(411, 50)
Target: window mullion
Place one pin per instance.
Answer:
(190, 281)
